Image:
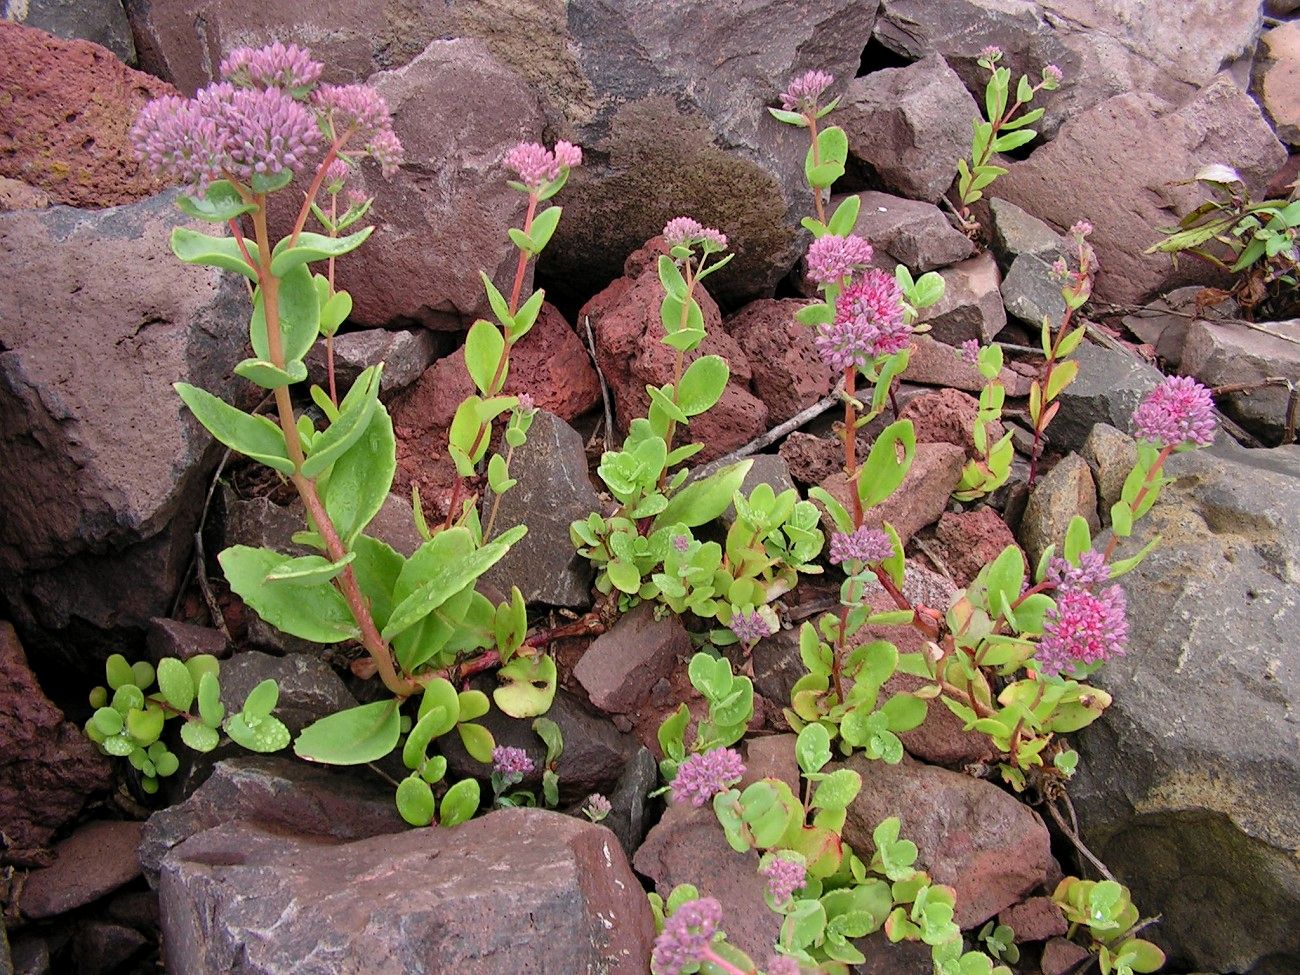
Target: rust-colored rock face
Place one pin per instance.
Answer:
(66, 110)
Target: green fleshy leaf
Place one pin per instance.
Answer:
(199, 736)
(352, 737)
(219, 204)
(193, 247)
(255, 437)
(176, 684)
(314, 247)
(415, 801)
(317, 613)
(459, 804)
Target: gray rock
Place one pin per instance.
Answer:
(1063, 492)
(99, 947)
(1111, 455)
(238, 900)
(1107, 389)
(971, 835)
(552, 492)
(908, 126)
(936, 364)
(102, 21)
(1277, 69)
(1094, 170)
(1030, 293)
(593, 760)
(31, 955)
(95, 860)
(76, 518)
(1016, 232)
(395, 525)
(628, 815)
(171, 638)
(919, 500)
(908, 232)
(1192, 771)
(285, 793)
(688, 847)
(1163, 323)
(620, 667)
(1225, 354)
(405, 355)
(1103, 49)
(971, 306)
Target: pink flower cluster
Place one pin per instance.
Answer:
(702, 776)
(783, 877)
(749, 627)
(804, 91)
(510, 761)
(1178, 411)
(1083, 628)
(535, 165)
(687, 231)
(1092, 570)
(868, 323)
(864, 545)
(831, 258)
(273, 66)
(686, 936)
(254, 123)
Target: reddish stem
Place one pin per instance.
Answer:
(330, 155)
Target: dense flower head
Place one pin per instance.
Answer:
(264, 131)
(1080, 229)
(970, 351)
(1053, 74)
(1092, 570)
(336, 175)
(176, 140)
(868, 323)
(360, 114)
(274, 66)
(687, 231)
(1178, 411)
(783, 965)
(991, 52)
(508, 760)
(686, 936)
(535, 165)
(1084, 627)
(749, 627)
(682, 543)
(783, 878)
(864, 545)
(804, 91)
(832, 257)
(703, 775)
(597, 807)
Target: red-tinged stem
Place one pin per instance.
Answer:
(330, 155)
(1152, 474)
(816, 158)
(455, 500)
(346, 582)
(329, 339)
(522, 266)
(238, 233)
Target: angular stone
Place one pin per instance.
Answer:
(553, 490)
(991, 848)
(395, 525)
(771, 757)
(1030, 292)
(1017, 233)
(1277, 79)
(885, 957)
(971, 306)
(920, 499)
(625, 321)
(284, 793)
(908, 232)
(405, 355)
(969, 540)
(103, 22)
(48, 767)
(787, 373)
(1224, 353)
(621, 666)
(428, 231)
(1107, 389)
(31, 956)
(688, 847)
(1063, 492)
(1111, 455)
(628, 816)
(1062, 957)
(76, 518)
(1163, 323)
(171, 638)
(936, 364)
(99, 947)
(594, 757)
(811, 459)
(17, 195)
(1037, 919)
(225, 891)
(908, 126)
(70, 107)
(948, 416)
(1094, 170)
(941, 739)
(95, 860)
(1103, 49)
(1190, 767)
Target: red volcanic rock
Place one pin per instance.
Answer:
(788, 374)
